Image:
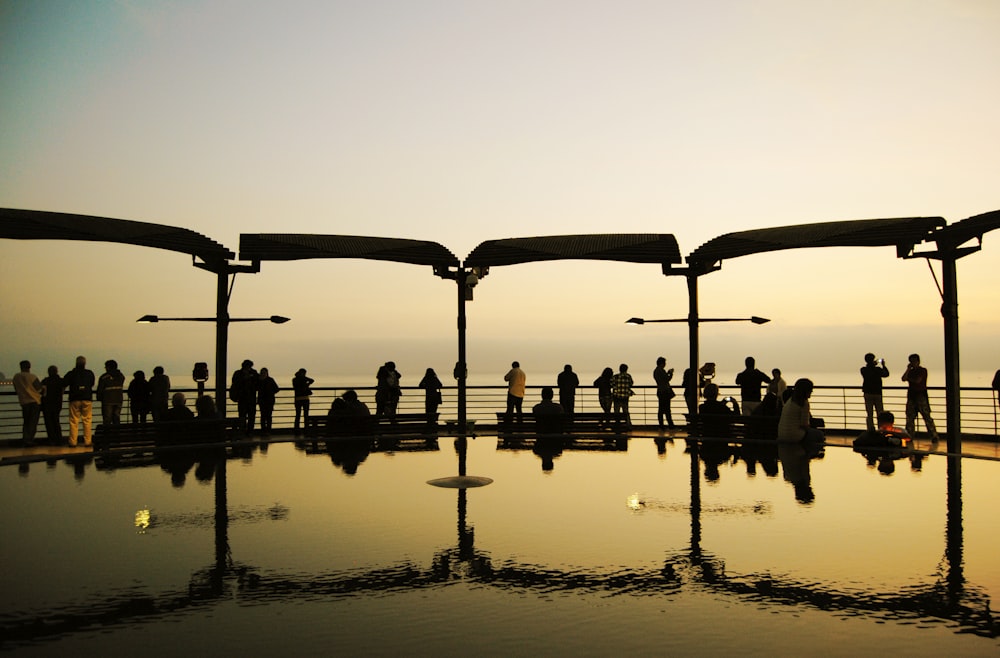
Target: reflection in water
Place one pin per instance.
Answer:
(690, 569)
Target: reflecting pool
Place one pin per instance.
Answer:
(588, 549)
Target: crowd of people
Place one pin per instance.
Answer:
(253, 392)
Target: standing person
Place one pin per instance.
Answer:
(777, 386)
(916, 397)
(872, 374)
(111, 393)
(621, 391)
(387, 391)
(300, 385)
(267, 390)
(664, 392)
(80, 392)
(604, 397)
(159, 393)
(243, 391)
(52, 402)
(139, 397)
(516, 380)
(749, 382)
(568, 382)
(692, 389)
(29, 394)
(432, 394)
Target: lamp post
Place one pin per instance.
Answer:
(221, 344)
(693, 322)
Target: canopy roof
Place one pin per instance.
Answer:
(624, 247)
(297, 246)
(44, 225)
(901, 233)
(968, 229)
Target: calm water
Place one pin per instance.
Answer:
(607, 553)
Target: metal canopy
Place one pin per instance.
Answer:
(624, 247)
(298, 246)
(968, 229)
(43, 225)
(902, 233)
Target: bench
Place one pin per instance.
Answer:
(400, 424)
(164, 433)
(577, 423)
(736, 427)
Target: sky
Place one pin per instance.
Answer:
(464, 121)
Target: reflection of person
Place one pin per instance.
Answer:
(915, 376)
(603, 386)
(243, 391)
(872, 374)
(516, 380)
(749, 382)
(621, 391)
(29, 394)
(80, 392)
(267, 390)
(664, 392)
(111, 393)
(568, 382)
(798, 442)
(52, 402)
(139, 397)
(300, 385)
(159, 392)
(431, 384)
(549, 415)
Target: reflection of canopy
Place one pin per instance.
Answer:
(43, 225)
(297, 246)
(901, 233)
(628, 248)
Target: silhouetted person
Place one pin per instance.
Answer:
(516, 380)
(267, 390)
(915, 377)
(550, 417)
(387, 391)
(52, 402)
(179, 411)
(604, 397)
(80, 392)
(29, 395)
(111, 393)
(139, 397)
(243, 391)
(887, 435)
(776, 387)
(749, 382)
(872, 374)
(301, 386)
(159, 393)
(348, 415)
(431, 384)
(715, 413)
(175, 422)
(621, 391)
(567, 382)
(205, 406)
(664, 392)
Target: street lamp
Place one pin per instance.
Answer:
(276, 319)
(222, 322)
(694, 321)
(753, 318)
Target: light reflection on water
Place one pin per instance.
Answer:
(585, 552)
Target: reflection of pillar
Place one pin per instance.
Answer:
(466, 535)
(952, 382)
(221, 516)
(955, 576)
(695, 502)
(461, 447)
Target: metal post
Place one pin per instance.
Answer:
(461, 370)
(221, 339)
(952, 375)
(692, 284)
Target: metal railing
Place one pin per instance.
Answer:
(842, 408)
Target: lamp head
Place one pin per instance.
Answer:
(149, 318)
(635, 321)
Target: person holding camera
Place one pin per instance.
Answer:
(872, 374)
(664, 392)
(915, 377)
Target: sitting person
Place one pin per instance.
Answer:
(549, 415)
(178, 409)
(795, 426)
(175, 423)
(887, 435)
(349, 415)
(714, 412)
